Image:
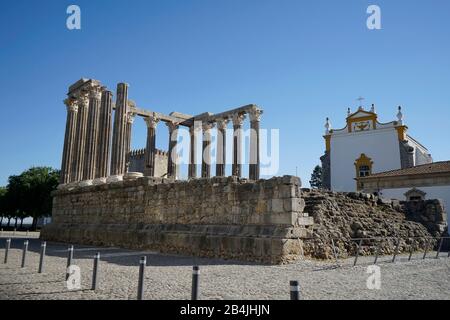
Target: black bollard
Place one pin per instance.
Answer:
(195, 283)
(396, 250)
(142, 264)
(377, 253)
(410, 252)
(69, 260)
(426, 250)
(95, 274)
(439, 248)
(41, 259)
(24, 253)
(8, 246)
(295, 290)
(357, 252)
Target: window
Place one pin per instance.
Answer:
(364, 171)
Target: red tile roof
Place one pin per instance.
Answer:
(436, 167)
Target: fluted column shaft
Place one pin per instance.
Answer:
(80, 138)
(238, 120)
(150, 149)
(255, 118)
(69, 140)
(221, 147)
(104, 136)
(119, 149)
(192, 170)
(92, 134)
(171, 163)
(206, 154)
(130, 120)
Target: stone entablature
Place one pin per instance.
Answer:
(226, 217)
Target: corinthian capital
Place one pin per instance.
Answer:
(83, 99)
(71, 104)
(255, 114)
(95, 93)
(207, 126)
(238, 119)
(151, 122)
(222, 124)
(130, 117)
(172, 126)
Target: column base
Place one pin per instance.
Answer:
(132, 175)
(115, 178)
(85, 183)
(99, 181)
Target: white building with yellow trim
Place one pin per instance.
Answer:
(366, 146)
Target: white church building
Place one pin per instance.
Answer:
(365, 146)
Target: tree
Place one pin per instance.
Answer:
(316, 178)
(3, 191)
(30, 192)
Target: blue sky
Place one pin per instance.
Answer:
(301, 61)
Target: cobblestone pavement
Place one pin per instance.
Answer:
(169, 276)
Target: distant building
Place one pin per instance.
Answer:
(365, 147)
(423, 182)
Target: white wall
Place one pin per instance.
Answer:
(439, 192)
(381, 145)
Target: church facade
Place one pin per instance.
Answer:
(366, 146)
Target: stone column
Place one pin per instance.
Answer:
(238, 120)
(206, 154)
(193, 152)
(130, 120)
(118, 156)
(150, 149)
(80, 137)
(104, 136)
(90, 149)
(255, 118)
(221, 147)
(69, 140)
(171, 163)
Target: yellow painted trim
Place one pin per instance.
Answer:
(363, 160)
(327, 142)
(401, 130)
(372, 118)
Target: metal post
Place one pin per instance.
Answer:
(410, 252)
(14, 232)
(24, 253)
(396, 250)
(41, 260)
(95, 272)
(142, 264)
(377, 253)
(195, 282)
(426, 250)
(8, 246)
(334, 252)
(69, 260)
(27, 232)
(357, 252)
(439, 249)
(295, 290)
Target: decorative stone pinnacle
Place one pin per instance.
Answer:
(327, 126)
(238, 119)
(151, 122)
(255, 114)
(400, 114)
